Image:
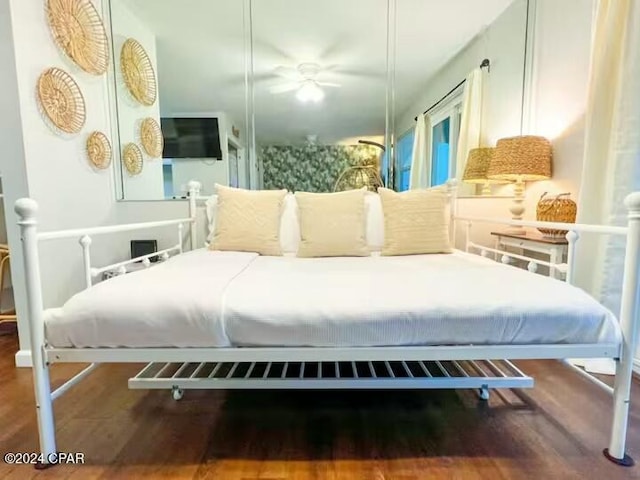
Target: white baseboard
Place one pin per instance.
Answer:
(23, 358)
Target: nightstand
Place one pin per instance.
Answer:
(554, 248)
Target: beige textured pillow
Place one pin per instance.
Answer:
(332, 224)
(248, 220)
(415, 222)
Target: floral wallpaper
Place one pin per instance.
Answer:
(311, 167)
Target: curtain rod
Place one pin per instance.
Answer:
(485, 63)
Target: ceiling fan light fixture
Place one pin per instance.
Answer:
(309, 91)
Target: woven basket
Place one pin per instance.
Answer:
(559, 209)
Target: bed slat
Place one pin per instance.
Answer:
(406, 369)
(442, 369)
(215, 370)
(197, 370)
(425, 369)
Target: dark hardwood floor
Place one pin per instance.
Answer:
(554, 431)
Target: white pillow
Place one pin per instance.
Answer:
(289, 226)
(374, 221)
(211, 206)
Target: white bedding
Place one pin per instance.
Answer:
(411, 300)
(178, 303)
(215, 299)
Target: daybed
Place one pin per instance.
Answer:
(211, 319)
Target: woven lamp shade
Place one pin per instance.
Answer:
(478, 165)
(526, 158)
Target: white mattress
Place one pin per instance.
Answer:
(215, 299)
(178, 303)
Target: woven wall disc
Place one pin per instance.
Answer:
(138, 73)
(151, 137)
(61, 100)
(132, 159)
(80, 33)
(99, 150)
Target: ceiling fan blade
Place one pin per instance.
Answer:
(329, 84)
(284, 87)
(289, 73)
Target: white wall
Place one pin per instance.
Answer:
(53, 169)
(207, 171)
(11, 165)
(559, 90)
(69, 191)
(132, 212)
(148, 184)
(503, 42)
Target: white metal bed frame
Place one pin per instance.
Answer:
(467, 366)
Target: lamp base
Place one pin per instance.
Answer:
(517, 208)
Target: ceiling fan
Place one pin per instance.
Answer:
(302, 79)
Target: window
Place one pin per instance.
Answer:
(440, 152)
(404, 151)
(445, 121)
(444, 140)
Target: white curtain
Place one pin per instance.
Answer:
(470, 125)
(420, 155)
(611, 167)
(612, 143)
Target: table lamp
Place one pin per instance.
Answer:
(520, 159)
(477, 166)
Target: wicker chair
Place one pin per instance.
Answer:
(9, 316)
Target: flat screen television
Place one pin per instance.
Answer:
(191, 138)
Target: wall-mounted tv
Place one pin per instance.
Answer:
(191, 138)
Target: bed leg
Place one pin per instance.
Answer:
(44, 410)
(629, 326)
(621, 393)
(26, 210)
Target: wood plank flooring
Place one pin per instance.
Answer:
(555, 431)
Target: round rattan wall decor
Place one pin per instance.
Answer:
(132, 159)
(61, 100)
(99, 150)
(80, 33)
(151, 137)
(138, 73)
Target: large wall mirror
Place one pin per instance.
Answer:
(192, 54)
(320, 85)
(307, 95)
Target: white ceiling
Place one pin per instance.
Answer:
(201, 60)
